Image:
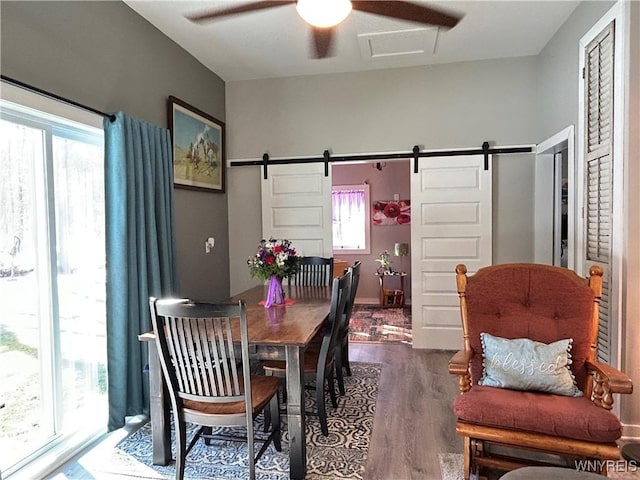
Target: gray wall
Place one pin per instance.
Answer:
(557, 69)
(443, 106)
(106, 56)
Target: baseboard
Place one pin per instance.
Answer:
(373, 301)
(630, 432)
(367, 301)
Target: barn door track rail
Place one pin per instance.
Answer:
(415, 153)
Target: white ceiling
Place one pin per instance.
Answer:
(274, 43)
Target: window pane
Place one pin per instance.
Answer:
(349, 219)
(52, 285)
(79, 207)
(26, 420)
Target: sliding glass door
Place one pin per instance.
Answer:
(52, 283)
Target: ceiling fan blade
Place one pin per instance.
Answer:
(407, 11)
(322, 42)
(247, 7)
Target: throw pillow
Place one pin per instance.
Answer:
(523, 364)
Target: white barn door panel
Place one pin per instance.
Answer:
(451, 203)
(296, 205)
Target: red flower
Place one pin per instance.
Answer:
(277, 249)
(392, 210)
(404, 218)
(269, 260)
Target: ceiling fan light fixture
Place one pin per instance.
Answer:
(323, 13)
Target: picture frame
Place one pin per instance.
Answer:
(198, 142)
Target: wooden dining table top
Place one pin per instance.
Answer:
(295, 323)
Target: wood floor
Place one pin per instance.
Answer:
(413, 421)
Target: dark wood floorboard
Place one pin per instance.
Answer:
(413, 422)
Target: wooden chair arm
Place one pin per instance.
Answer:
(607, 380)
(459, 365)
(618, 381)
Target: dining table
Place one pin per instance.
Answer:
(278, 333)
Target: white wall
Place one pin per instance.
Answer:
(443, 106)
(631, 313)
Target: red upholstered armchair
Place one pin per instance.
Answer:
(510, 423)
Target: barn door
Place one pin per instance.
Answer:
(451, 201)
(296, 205)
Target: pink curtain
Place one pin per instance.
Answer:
(348, 212)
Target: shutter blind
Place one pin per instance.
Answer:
(599, 169)
(604, 339)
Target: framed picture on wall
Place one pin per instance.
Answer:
(198, 147)
(391, 212)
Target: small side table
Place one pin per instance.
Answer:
(391, 298)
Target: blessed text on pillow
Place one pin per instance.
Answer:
(524, 364)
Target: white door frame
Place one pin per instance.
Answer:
(544, 195)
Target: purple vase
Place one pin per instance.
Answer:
(275, 296)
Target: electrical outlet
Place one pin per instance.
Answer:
(209, 244)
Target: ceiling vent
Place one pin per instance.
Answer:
(401, 43)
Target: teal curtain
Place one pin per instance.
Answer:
(140, 253)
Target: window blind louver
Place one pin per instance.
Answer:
(599, 169)
(604, 340)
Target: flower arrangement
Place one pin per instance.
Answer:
(273, 258)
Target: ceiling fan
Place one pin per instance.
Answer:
(324, 15)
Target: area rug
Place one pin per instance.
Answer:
(372, 324)
(342, 455)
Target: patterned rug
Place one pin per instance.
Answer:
(372, 324)
(341, 455)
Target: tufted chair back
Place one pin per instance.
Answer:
(540, 302)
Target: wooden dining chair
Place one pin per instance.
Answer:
(342, 352)
(313, 271)
(209, 384)
(531, 387)
(319, 362)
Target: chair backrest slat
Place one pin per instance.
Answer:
(213, 373)
(201, 338)
(195, 353)
(177, 353)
